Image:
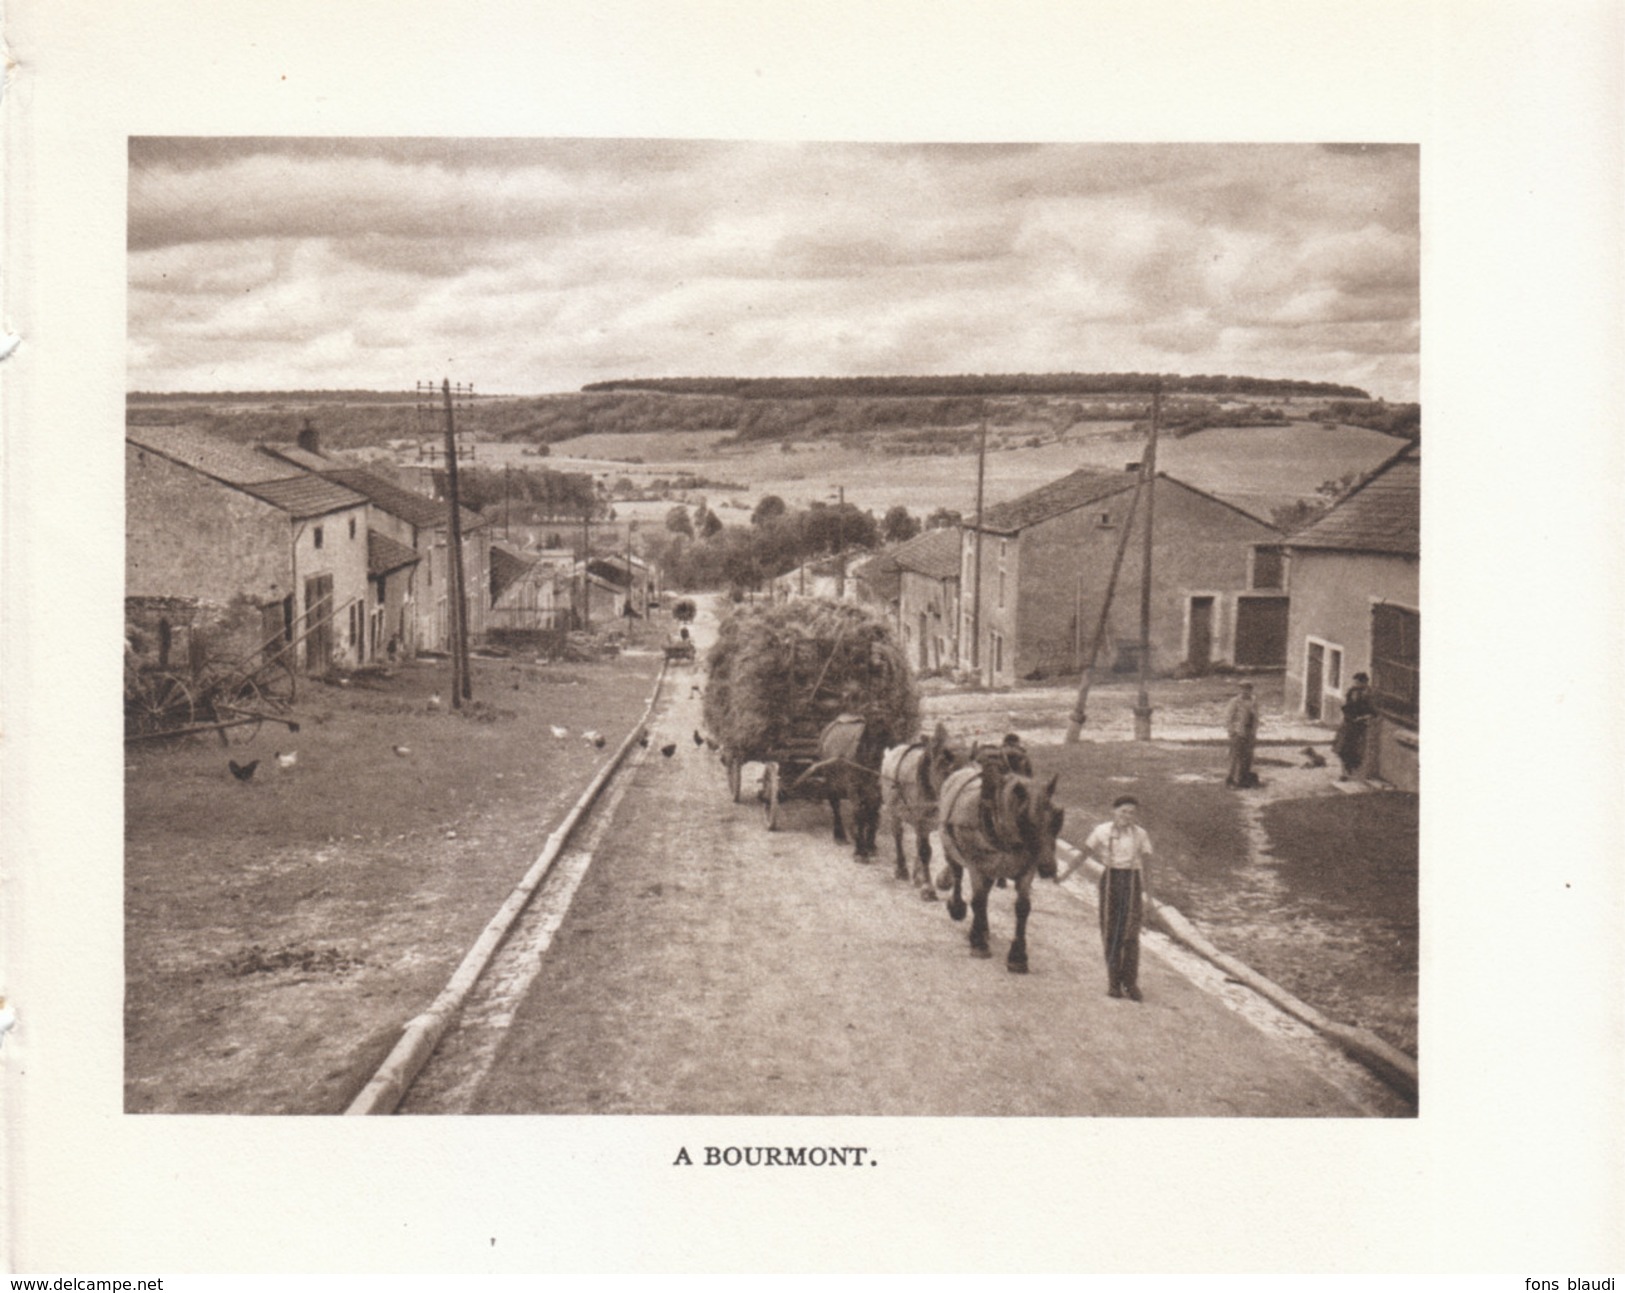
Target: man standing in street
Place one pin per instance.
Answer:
(1241, 726)
(1123, 849)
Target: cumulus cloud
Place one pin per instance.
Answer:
(543, 264)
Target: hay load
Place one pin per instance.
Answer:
(780, 673)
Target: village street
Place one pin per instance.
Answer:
(708, 966)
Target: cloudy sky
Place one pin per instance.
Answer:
(529, 266)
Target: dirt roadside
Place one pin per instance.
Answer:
(280, 931)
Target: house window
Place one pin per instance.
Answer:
(998, 654)
(1396, 659)
(1334, 669)
(1004, 545)
(316, 536)
(1105, 521)
(1267, 568)
(352, 527)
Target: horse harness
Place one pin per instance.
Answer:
(922, 773)
(986, 816)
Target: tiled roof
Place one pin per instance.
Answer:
(384, 554)
(305, 496)
(407, 504)
(507, 569)
(302, 457)
(236, 464)
(1079, 489)
(243, 467)
(1384, 514)
(934, 553)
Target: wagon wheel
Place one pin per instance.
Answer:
(770, 796)
(276, 683)
(733, 776)
(243, 708)
(163, 703)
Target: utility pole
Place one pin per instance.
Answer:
(1080, 711)
(840, 540)
(586, 557)
(1142, 706)
(462, 685)
(976, 585)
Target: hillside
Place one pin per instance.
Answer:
(931, 419)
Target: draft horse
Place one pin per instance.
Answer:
(911, 781)
(1008, 834)
(849, 753)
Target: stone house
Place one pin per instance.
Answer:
(1045, 567)
(928, 598)
(830, 578)
(1354, 576)
(631, 574)
(242, 554)
(529, 594)
(410, 603)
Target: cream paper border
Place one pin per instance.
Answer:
(1515, 1162)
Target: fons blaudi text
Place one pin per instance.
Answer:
(1569, 1285)
(776, 1156)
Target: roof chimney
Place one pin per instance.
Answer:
(1131, 466)
(309, 440)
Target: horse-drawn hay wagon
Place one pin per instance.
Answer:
(779, 678)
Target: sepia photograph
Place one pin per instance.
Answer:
(632, 626)
(690, 638)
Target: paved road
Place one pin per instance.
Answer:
(705, 966)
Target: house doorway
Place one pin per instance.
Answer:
(1314, 675)
(318, 623)
(1200, 654)
(1261, 631)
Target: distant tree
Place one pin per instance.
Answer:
(899, 526)
(944, 518)
(1297, 515)
(707, 523)
(769, 509)
(678, 522)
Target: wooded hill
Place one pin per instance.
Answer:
(785, 409)
(979, 385)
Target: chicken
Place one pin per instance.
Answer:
(434, 701)
(710, 744)
(698, 739)
(403, 750)
(669, 750)
(286, 761)
(559, 733)
(242, 771)
(1312, 758)
(593, 738)
(643, 740)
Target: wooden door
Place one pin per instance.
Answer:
(1314, 680)
(1200, 655)
(319, 623)
(1261, 630)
